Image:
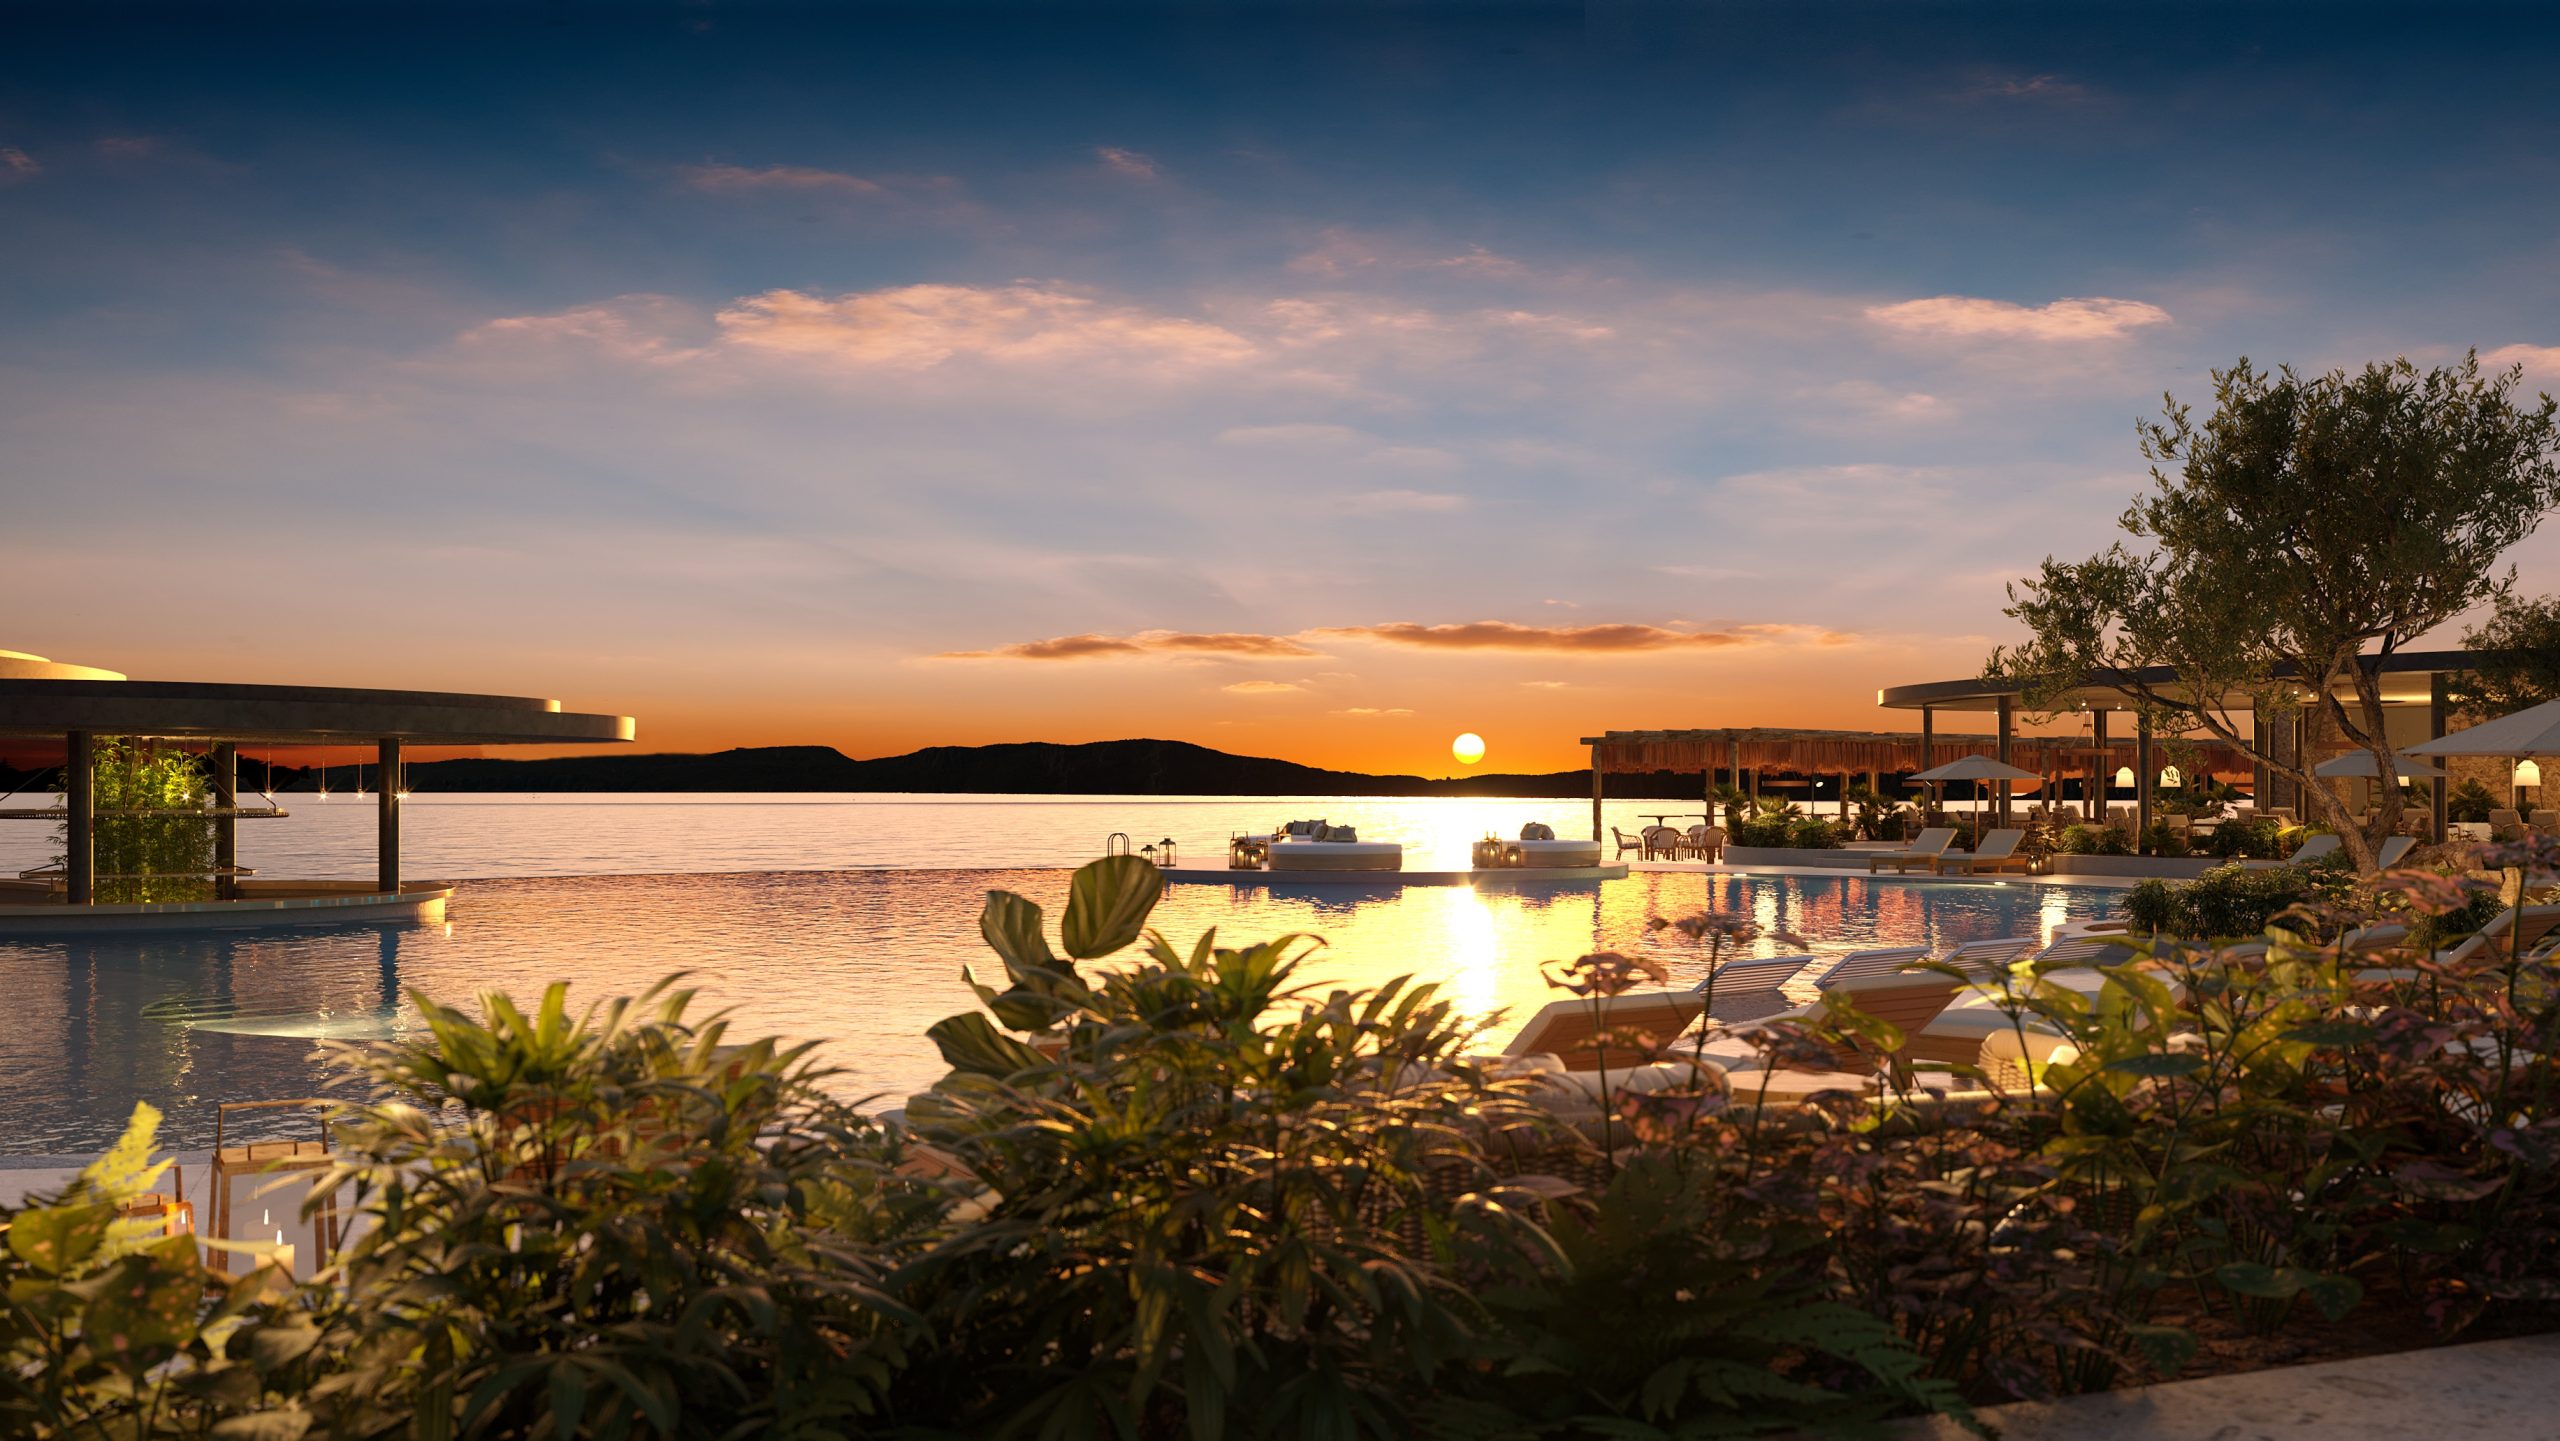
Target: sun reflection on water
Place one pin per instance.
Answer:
(859, 961)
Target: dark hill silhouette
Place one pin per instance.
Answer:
(1125, 767)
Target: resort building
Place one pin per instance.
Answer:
(68, 710)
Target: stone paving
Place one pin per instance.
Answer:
(2486, 1391)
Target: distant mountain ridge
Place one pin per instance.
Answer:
(1122, 767)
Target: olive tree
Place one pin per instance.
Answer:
(2515, 657)
(2309, 527)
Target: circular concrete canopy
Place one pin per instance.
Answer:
(291, 714)
(2407, 678)
(18, 665)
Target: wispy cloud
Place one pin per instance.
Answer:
(916, 327)
(1503, 635)
(2073, 318)
(1402, 502)
(1262, 687)
(1144, 643)
(1344, 253)
(1369, 712)
(776, 177)
(1127, 162)
(17, 165)
(2541, 362)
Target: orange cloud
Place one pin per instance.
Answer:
(915, 327)
(1262, 687)
(775, 177)
(1971, 317)
(1366, 711)
(1619, 638)
(1152, 642)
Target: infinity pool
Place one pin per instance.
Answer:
(862, 961)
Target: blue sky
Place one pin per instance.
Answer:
(1306, 381)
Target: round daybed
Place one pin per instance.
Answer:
(1294, 854)
(1557, 853)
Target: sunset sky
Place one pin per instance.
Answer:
(1306, 382)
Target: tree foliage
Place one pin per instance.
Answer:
(2309, 526)
(2516, 657)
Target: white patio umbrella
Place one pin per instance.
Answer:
(1974, 768)
(2359, 765)
(2533, 731)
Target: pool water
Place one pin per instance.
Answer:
(859, 960)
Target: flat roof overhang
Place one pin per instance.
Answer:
(294, 714)
(2407, 678)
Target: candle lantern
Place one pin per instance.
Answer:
(1164, 851)
(1247, 853)
(1488, 852)
(1511, 854)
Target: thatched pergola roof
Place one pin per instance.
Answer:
(1777, 750)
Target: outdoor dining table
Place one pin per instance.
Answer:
(1663, 818)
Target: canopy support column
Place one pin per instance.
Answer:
(1928, 739)
(2437, 705)
(2102, 770)
(386, 855)
(80, 799)
(1595, 791)
(2008, 724)
(225, 774)
(2142, 779)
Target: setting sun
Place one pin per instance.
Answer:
(1468, 748)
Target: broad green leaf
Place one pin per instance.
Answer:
(56, 1239)
(2167, 1348)
(143, 1309)
(1108, 904)
(1012, 928)
(971, 1043)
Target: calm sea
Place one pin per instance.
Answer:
(840, 919)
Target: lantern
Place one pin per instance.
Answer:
(1487, 852)
(1164, 851)
(1247, 853)
(2528, 773)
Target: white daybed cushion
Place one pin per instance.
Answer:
(1559, 853)
(1298, 855)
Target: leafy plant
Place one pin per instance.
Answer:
(146, 857)
(2469, 801)
(2089, 840)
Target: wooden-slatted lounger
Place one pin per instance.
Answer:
(1570, 1029)
(1924, 850)
(1998, 852)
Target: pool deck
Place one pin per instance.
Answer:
(2489, 1390)
(1917, 878)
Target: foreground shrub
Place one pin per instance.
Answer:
(1181, 1190)
(2234, 900)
